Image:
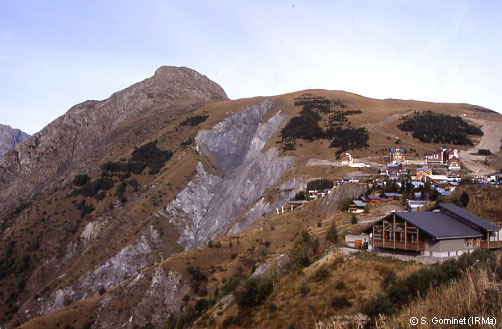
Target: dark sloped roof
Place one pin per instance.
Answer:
(359, 203)
(439, 225)
(435, 224)
(467, 216)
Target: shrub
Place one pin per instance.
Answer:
(147, 155)
(87, 209)
(332, 233)
(340, 301)
(196, 274)
(230, 285)
(304, 288)
(320, 184)
(464, 199)
(484, 152)
(321, 274)
(188, 142)
(306, 245)
(80, 180)
(194, 121)
(254, 292)
(92, 187)
(344, 204)
(353, 219)
(400, 292)
(202, 305)
(301, 195)
(289, 147)
(389, 278)
(120, 192)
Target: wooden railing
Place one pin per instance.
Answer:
(491, 244)
(417, 246)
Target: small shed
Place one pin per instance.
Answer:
(373, 199)
(392, 196)
(360, 241)
(357, 207)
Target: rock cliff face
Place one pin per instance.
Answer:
(154, 297)
(210, 205)
(79, 139)
(128, 261)
(10, 137)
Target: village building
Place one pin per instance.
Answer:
(416, 162)
(373, 199)
(453, 163)
(422, 172)
(449, 186)
(357, 207)
(444, 231)
(394, 170)
(417, 184)
(445, 156)
(392, 196)
(494, 177)
(454, 178)
(347, 159)
(397, 155)
(414, 205)
(435, 178)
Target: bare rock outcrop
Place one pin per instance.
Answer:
(80, 139)
(211, 205)
(10, 137)
(152, 296)
(329, 204)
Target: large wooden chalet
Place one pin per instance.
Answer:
(444, 231)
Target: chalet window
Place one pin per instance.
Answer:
(472, 243)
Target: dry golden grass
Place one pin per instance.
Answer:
(128, 220)
(477, 294)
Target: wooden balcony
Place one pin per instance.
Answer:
(491, 245)
(416, 246)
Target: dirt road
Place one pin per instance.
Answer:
(491, 140)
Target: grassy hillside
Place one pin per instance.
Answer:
(43, 249)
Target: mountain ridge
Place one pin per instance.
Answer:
(132, 238)
(87, 128)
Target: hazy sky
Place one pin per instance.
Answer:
(54, 54)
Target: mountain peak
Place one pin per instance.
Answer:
(187, 77)
(10, 137)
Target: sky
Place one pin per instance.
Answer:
(55, 54)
